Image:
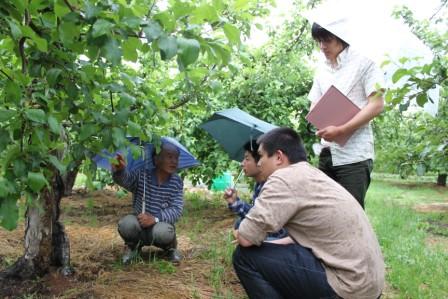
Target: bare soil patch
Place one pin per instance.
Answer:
(432, 207)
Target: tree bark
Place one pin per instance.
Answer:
(46, 243)
(441, 179)
(69, 180)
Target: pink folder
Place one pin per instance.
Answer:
(333, 109)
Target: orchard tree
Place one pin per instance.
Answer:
(72, 84)
(269, 82)
(431, 153)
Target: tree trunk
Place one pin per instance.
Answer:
(46, 244)
(69, 179)
(441, 179)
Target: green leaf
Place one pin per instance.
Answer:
(205, 12)
(5, 138)
(6, 187)
(36, 5)
(152, 31)
(188, 50)
(36, 115)
(198, 74)
(139, 9)
(56, 163)
(118, 137)
(422, 99)
(219, 5)
(40, 42)
(132, 22)
(168, 47)
(60, 8)
(399, 74)
(87, 131)
(15, 29)
(126, 100)
(224, 54)
(111, 50)
(130, 47)
(9, 212)
(232, 33)
(52, 76)
(91, 10)
(19, 168)
(68, 33)
(6, 114)
(36, 181)
(12, 91)
(20, 5)
(54, 125)
(167, 20)
(101, 27)
(181, 9)
(241, 4)
(133, 129)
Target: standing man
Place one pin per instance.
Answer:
(250, 168)
(332, 250)
(157, 203)
(361, 81)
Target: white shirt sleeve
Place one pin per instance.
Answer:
(373, 79)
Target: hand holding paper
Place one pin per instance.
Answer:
(332, 110)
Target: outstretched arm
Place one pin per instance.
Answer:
(122, 177)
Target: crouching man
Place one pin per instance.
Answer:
(157, 203)
(332, 250)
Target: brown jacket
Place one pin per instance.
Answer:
(321, 215)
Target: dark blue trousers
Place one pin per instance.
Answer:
(281, 271)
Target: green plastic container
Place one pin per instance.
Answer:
(222, 182)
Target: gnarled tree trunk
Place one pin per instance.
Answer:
(46, 243)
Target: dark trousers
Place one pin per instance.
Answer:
(281, 271)
(355, 177)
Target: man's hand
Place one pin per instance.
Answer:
(330, 133)
(230, 195)
(120, 165)
(146, 220)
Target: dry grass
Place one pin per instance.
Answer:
(90, 220)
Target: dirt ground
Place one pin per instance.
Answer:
(96, 248)
(90, 220)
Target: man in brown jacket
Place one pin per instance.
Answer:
(331, 251)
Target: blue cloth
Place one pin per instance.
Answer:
(281, 272)
(164, 202)
(241, 208)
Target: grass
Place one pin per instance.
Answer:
(414, 245)
(414, 269)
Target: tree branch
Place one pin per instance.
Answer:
(72, 9)
(187, 98)
(438, 10)
(22, 54)
(7, 76)
(111, 101)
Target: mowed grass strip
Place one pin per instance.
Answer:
(414, 244)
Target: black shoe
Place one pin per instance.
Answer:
(174, 256)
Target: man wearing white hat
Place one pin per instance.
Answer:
(361, 80)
